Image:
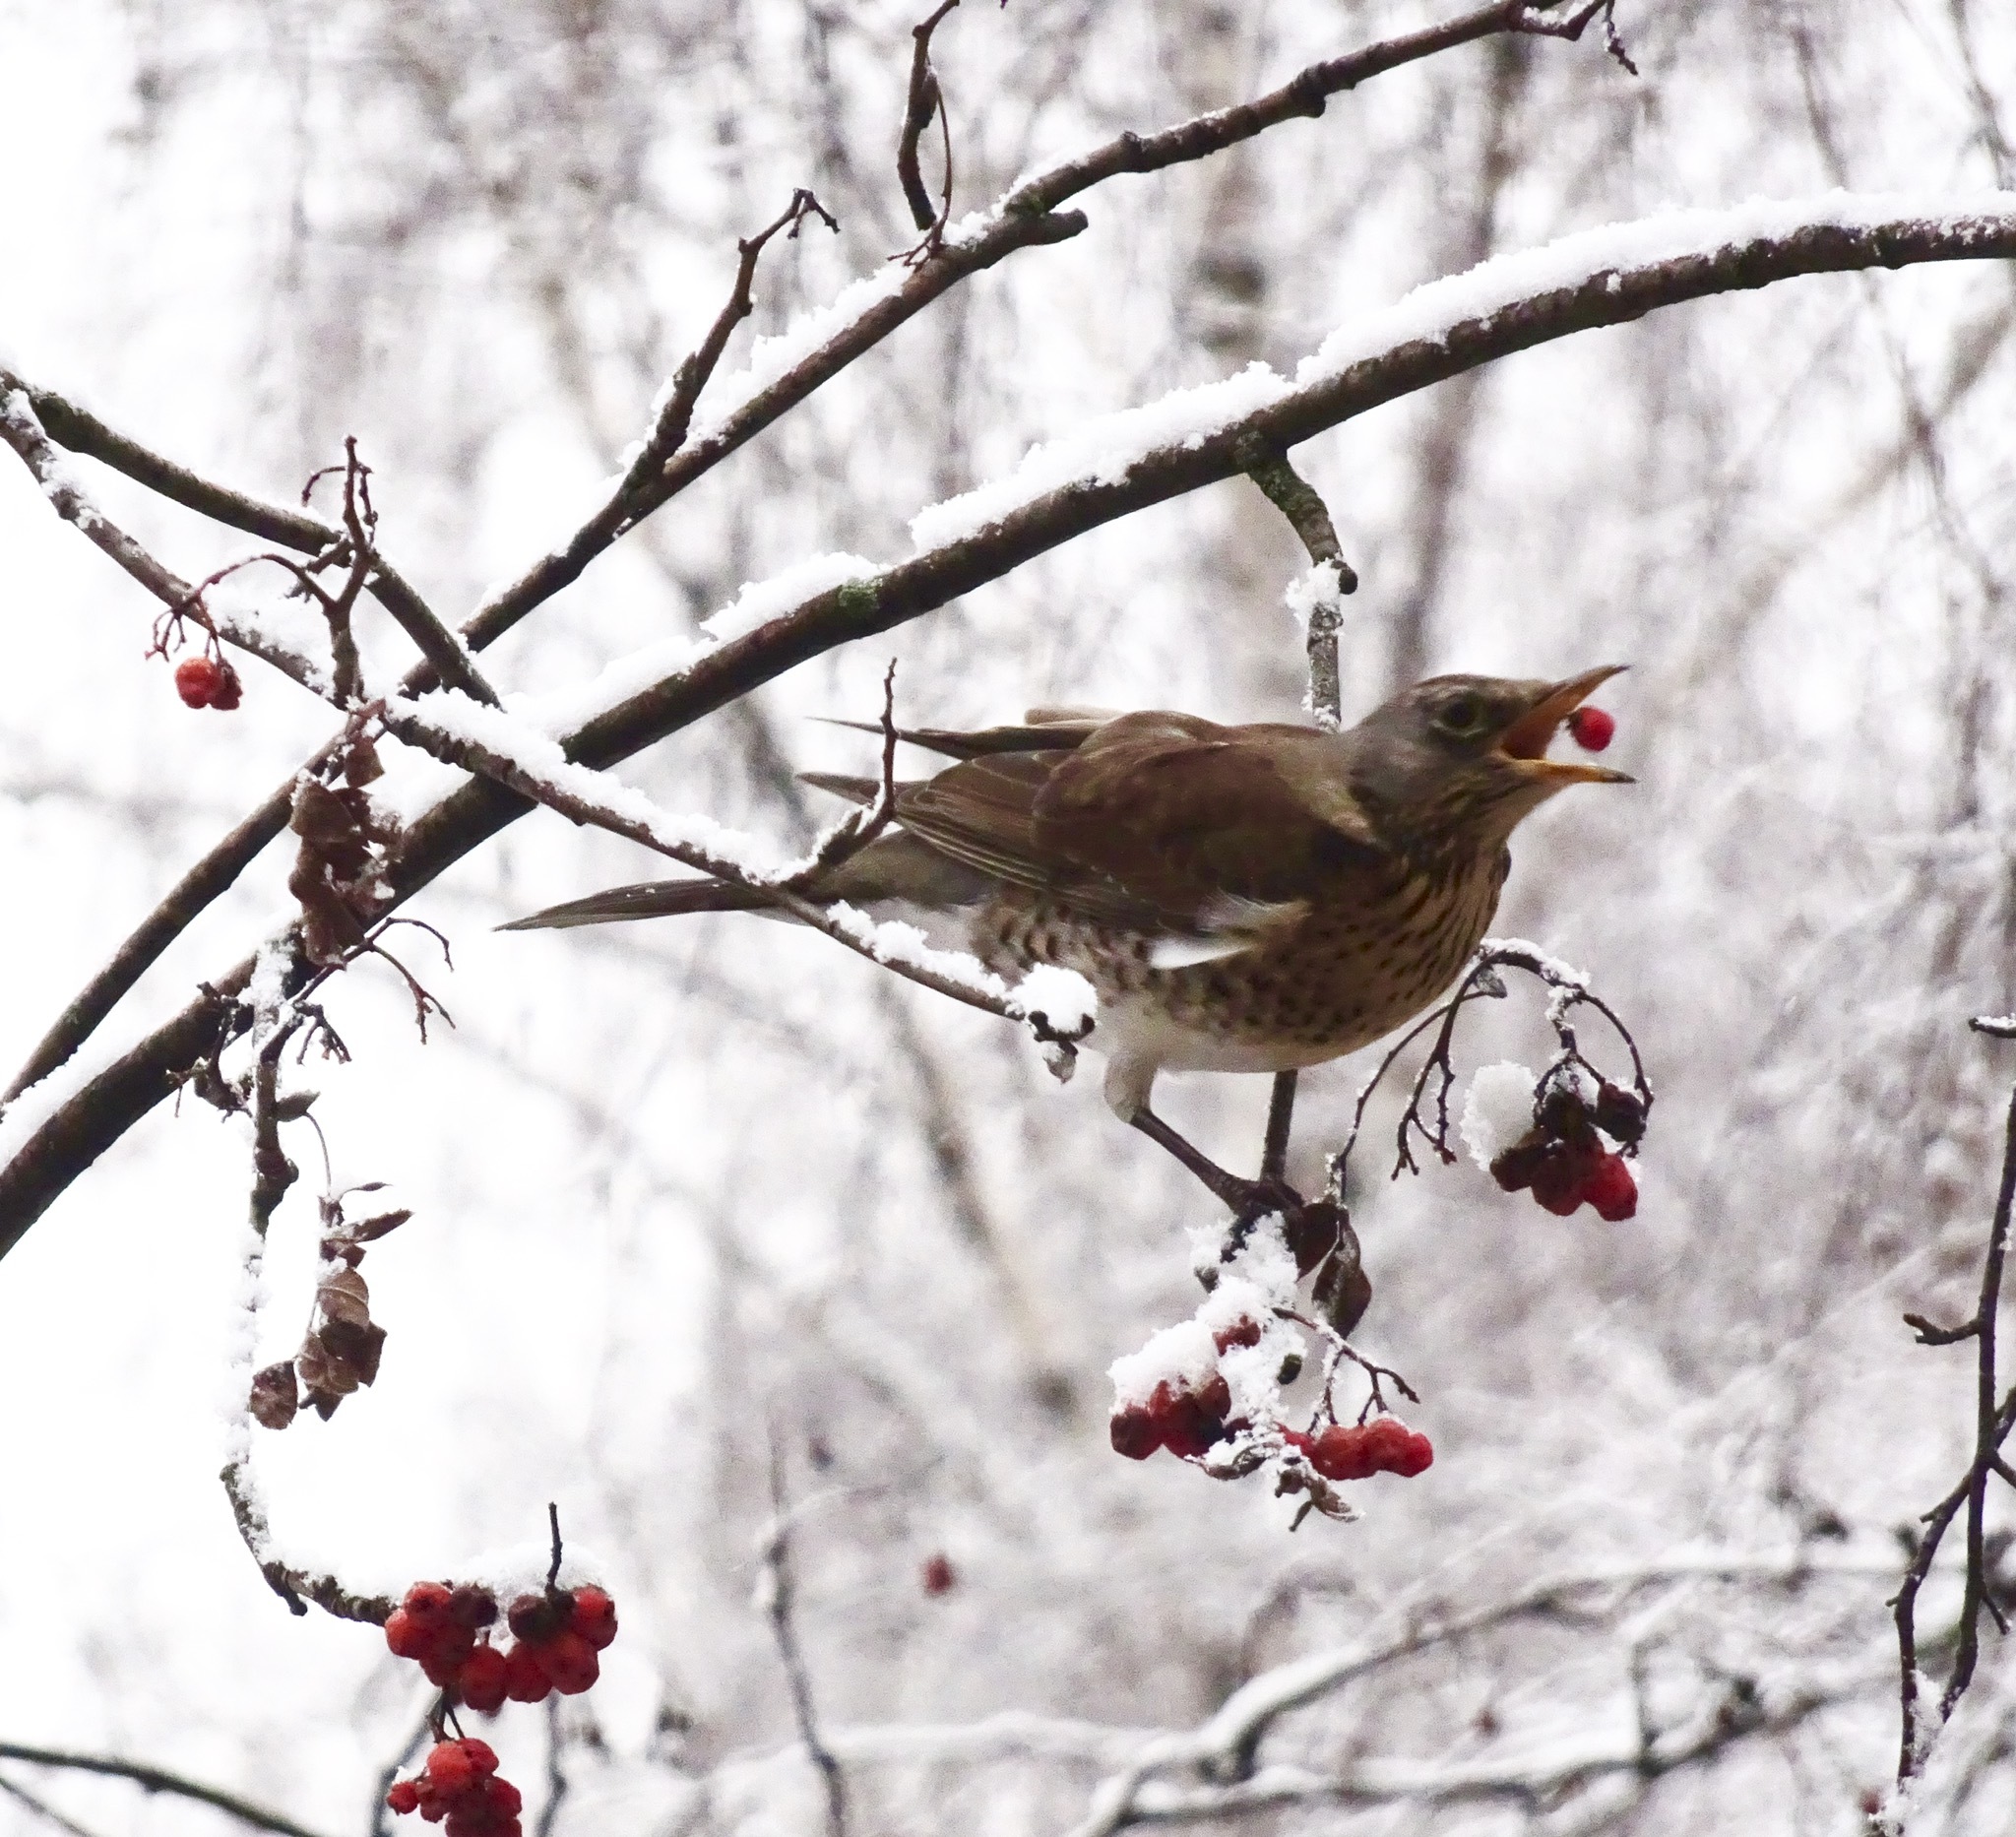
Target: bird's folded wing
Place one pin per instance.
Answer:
(1215, 826)
(1164, 822)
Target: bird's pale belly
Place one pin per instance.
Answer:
(1339, 980)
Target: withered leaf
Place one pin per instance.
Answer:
(369, 1230)
(345, 1296)
(275, 1396)
(320, 816)
(318, 1371)
(356, 1348)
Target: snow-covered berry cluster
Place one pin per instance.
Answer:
(461, 1785)
(559, 1637)
(208, 682)
(1208, 1390)
(1561, 1156)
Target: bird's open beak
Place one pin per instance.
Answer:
(1527, 739)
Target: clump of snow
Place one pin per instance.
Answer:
(1182, 1356)
(1497, 1111)
(1101, 452)
(1316, 587)
(1551, 967)
(760, 601)
(1063, 998)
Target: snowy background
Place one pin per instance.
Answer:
(680, 1188)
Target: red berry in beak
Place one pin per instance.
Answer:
(1592, 728)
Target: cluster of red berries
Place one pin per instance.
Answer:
(1184, 1419)
(1592, 728)
(560, 1635)
(461, 1784)
(1385, 1445)
(1562, 1157)
(208, 682)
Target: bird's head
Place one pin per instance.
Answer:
(1464, 759)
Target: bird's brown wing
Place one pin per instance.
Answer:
(1161, 821)
(1194, 820)
(983, 812)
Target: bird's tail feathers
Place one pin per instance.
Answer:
(652, 898)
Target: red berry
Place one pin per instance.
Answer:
(483, 1680)
(403, 1796)
(593, 1616)
(1619, 1114)
(1135, 1432)
(453, 1768)
(501, 1797)
(537, 1617)
(1394, 1448)
(1341, 1453)
(470, 1606)
(433, 1804)
(229, 691)
(1215, 1398)
(525, 1676)
(1240, 1333)
(1612, 1190)
(197, 681)
(571, 1663)
(1592, 728)
(445, 1654)
(427, 1600)
(406, 1636)
(938, 1575)
(1559, 1178)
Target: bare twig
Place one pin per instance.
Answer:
(1309, 517)
(1994, 1419)
(925, 101)
(43, 1809)
(780, 1600)
(158, 1780)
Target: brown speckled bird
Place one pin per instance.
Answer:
(1249, 899)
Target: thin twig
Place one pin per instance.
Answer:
(158, 1780)
(556, 1775)
(925, 101)
(1309, 517)
(43, 1810)
(1994, 1419)
(780, 1602)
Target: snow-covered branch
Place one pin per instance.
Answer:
(1057, 1005)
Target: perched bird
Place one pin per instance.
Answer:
(1249, 899)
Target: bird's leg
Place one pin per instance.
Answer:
(1247, 1199)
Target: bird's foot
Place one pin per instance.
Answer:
(1246, 1199)
(1318, 1230)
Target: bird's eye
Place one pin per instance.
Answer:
(1464, 716)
